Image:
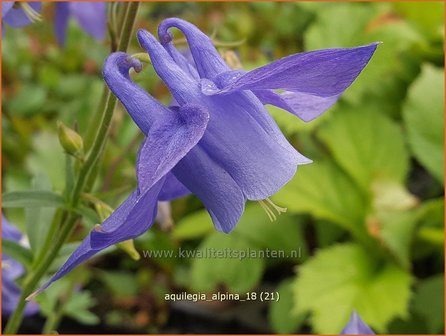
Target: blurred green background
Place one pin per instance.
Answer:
(367, 216)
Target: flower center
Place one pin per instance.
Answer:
(30, 13)
(268, 206)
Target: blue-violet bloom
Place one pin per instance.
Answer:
(356, 326)
(220, 142)
(11, 271)
(91, 17)
(20, 13)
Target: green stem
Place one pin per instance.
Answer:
(54, 319)
(33, 278)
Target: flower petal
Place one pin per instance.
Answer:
(61, 21)
(244, 139)
(133, 217)
(323, 73)
(16, 17)
(91, 16)
(168, 141)
(6, 6)
(356, 326)
(182, 85)
(314, 80)
(305, 106)
(172, 189)
(141, 106)
(208, 61)
(214, 186)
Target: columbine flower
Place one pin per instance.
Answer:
(11, 271)
(220, 142)
(356, 326)
(91, 17)
(20, 13)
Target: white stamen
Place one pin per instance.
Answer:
(268, 206)
(30, 13)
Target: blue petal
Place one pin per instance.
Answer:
(141, 106)
(214, 186)
(317, 78)
(172, 189)
(356, 326)
(168, 141)
(207, 59)
(305, 106)
(6, 6)
(244, 139)
(180, 83)
(17, 18)
(91, 16)
(133, 217)
(61, 21)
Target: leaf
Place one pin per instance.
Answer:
(32, 199)
(284, 235)
(78, 308)
(224, 260)
(346, 277)
(38, 220)
(280, 315)
(423, 114)
(47, 158)
(396, 232)
(193, 226)
(17, 252)
(429, 303)
(122, 284)
(29, 101)
(427, 16)
(366, 144)
(326, 192)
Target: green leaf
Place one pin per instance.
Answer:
(424, 119)
(17, 252)
(285, 234)
(396, 232)
(32, 199)
(219, 261)
(122, 284)
(427, 16)
(366, 144)
(346, 277)
(38, 220)
(280, 314)
(78, 308)
(326, 192)
(429, 303)
(29, 101)
(47, 158)
(193, 226)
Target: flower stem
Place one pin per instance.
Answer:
(71, 219)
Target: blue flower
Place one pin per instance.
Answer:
(91, 17)
(19, 13)
(220, 142)
(11, 271)
(356, 326)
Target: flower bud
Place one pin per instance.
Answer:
(70, 140)
(129, 247)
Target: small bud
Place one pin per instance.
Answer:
(103, 210)
(69, 139)
(129, 247)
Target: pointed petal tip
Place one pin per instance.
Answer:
(34, 294)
